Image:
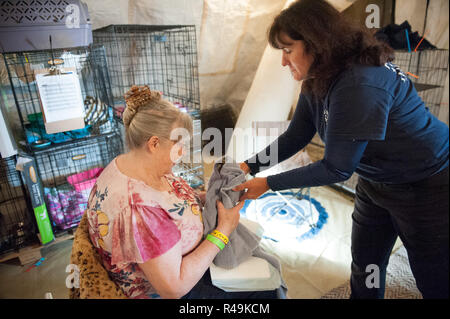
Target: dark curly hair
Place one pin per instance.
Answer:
(334, 42)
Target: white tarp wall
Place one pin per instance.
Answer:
(273, 90)
(231, 37)
(271, 96)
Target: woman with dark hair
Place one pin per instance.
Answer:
(373, 122)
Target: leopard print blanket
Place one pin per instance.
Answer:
(94, 281)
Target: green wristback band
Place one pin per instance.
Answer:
(216, 241)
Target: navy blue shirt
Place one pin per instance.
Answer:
(372, 122)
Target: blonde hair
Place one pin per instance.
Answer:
(147, 114)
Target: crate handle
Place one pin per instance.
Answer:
(78, 157)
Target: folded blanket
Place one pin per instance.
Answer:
(66, 206)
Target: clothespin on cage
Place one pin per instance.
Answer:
(54, 70)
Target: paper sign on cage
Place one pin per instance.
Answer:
(61, 100)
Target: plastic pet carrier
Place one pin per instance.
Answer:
(25, 25)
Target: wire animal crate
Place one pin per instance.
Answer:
(162, 57)
(191, 167)
(17, 224)
(68, 173)
(91, 67)
(165, 59)
(428, 71)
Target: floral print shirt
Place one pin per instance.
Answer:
(130, 223)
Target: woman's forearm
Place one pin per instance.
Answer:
(279, 150)
(195, 264)
(299, 133)
(340, 161)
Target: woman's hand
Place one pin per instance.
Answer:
(255, 188)
(243, 166)
(228, 219)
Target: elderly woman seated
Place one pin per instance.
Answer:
(145, 223)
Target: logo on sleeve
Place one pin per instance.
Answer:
(394, 68)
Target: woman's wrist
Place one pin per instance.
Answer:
(216, 241)
(218, 238)
(224, 230)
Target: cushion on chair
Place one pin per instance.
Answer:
(94, 280)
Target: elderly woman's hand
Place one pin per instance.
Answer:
(228, 219)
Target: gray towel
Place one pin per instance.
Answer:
(242, 242)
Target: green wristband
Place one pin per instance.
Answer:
(216, 241)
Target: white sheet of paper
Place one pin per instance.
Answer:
(61, 96)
